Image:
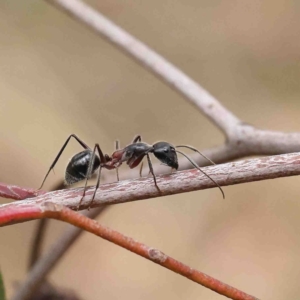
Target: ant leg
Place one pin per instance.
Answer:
(117, 172)
(98, 177)
(152, 172)
(84, 145)
(90, 170)
(96, 188)
(141, 169)
(117, 147)
(138, 138)
(88, 175)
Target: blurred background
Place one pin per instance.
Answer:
(58, 77)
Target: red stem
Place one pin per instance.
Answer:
(48, 209)
(17, 193)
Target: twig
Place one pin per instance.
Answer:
(59, 212)
(39, 269)
(175, 183)
(17, 193)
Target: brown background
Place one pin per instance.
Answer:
(57, 78)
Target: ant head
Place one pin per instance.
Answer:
(78, 166)
(166, 153)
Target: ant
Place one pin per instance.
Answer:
(84, 164)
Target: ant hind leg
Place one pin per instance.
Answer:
(90, 171)
(84, 145)
(98, 176)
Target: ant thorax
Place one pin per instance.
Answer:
(132, 154)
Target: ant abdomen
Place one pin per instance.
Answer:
(77, 167)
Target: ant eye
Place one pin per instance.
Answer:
(166, 150)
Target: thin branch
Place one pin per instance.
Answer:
(152, 61)
(40, 268)
(248, 140)
(59, 212)
(49, 260)
(175, 183)
(276, 165)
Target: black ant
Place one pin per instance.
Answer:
(84, 164)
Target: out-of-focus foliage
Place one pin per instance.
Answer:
(2, 290)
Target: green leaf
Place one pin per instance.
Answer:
(2, 291)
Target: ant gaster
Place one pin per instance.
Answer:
(83, 164)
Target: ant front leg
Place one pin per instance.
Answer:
(137, 139)
(84, 145)
(152, 171)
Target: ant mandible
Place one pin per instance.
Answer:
(84, 164)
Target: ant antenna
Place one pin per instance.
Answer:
(196, 150)
(196, 166)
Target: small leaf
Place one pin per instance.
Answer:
(2, 291)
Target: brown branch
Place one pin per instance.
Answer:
(244, 171)
(248, 140)
(175, 183)
(59, 212)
